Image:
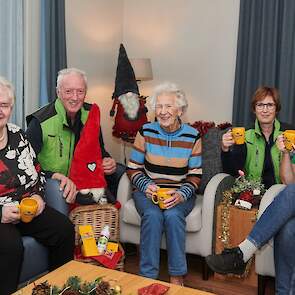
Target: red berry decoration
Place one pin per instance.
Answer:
(246, 196)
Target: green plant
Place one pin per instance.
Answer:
(242, 184)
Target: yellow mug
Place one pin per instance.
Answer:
(238, 134)
(160, 196)
(28, 208)
(289, 139)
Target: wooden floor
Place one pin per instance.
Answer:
(194, 277)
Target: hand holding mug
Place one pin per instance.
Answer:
(163, 197)
(280, 142)
(227, 141)
(41, 204)
(289, 139)
(238, 134)
(151, 190)
(28, 208)
(10, 213)
(174, 200)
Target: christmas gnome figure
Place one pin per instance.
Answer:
(128, 105)
(86, 168)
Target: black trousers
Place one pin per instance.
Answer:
(51, 228)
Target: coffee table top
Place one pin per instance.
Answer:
(130, 283)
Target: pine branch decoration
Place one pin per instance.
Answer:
(75, 286)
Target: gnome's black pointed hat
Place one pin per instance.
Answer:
(125, 77)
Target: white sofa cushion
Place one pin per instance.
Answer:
(193, 220)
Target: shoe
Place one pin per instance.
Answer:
(230, 261)
(176, 280)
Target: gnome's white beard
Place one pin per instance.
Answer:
(130, 103)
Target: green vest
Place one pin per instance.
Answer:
(58, 140)
(255, 144)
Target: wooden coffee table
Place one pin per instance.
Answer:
(130, 283)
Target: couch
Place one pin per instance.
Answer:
(200, 222)
(35, 260)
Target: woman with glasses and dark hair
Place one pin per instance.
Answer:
(259, 157)
(262, 159)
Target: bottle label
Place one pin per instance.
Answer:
(103, 240)
(102, 244)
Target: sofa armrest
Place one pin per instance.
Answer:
(213, 193)
(211, 198)
(124, 189)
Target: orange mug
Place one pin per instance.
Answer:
(160, 196)
(289, 139)
(238, 134)
(28, 209)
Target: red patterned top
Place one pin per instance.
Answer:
(20, 173)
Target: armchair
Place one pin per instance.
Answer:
(264, 258)
(39, 264)
(200, 222)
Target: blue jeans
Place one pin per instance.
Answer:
(278, 222)
(154, 222)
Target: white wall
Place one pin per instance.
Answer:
(94, 32)
(190, 42)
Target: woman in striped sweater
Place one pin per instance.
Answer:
(166, 153)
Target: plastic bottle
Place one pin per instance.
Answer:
(103, 240)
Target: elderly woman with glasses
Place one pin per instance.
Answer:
(259, 157)
(20, 177)
(166, 153)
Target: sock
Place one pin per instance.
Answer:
(248, 249)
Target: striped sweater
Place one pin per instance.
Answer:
(166, 159)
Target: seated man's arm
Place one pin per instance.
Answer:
(67, 186)
(34, 135)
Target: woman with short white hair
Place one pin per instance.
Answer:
(166, 154)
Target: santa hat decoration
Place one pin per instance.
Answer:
(125, 77)
(86, 167)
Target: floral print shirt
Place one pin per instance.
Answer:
(20, 173)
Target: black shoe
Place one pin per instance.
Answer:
(230, 261)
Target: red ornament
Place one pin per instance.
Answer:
(117, 205)
(203, 126)
(224, 125)
(246, 196)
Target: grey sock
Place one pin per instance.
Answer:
(248, 249)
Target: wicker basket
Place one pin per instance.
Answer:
(98, 216)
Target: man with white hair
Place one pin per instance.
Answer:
(54, 132)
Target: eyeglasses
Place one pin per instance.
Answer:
(269, 106)
(71, 92)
